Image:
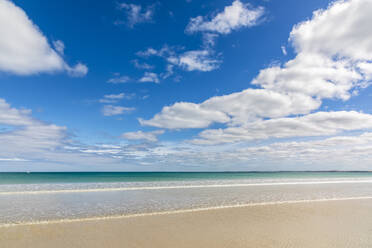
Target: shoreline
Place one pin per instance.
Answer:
(180, 211)
(318, 223)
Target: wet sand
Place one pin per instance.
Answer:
(346, 223)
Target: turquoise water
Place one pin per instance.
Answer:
(31, 197)
(108, 177)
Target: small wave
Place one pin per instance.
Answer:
(92, 190)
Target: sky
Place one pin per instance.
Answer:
(186, 85)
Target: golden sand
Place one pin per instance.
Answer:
(345, 223)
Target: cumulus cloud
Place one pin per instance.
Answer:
(137, 14)
(283, 105)
(110, 110)
(185, 115)
(352, 39)
(233, 17)
(316, 124)
(140, 135)
(237, 108)
(31, 141)
(24, 50)
(312, 74)
(327, 66)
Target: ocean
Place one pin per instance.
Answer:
(35, 197)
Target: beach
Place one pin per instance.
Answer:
(334, 223)
(186, 210)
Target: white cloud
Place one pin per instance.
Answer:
(316, 124)
(198, 60)
(113, 98)
(139, 135)
(342, 30)
(313, 75)
(137, 14)
(33, 144)
(14, 117)
(144, 66)
(79, 70)
(329, 63)
(340, 152)
(39, 145)
(193, 60)
(27, 134)
(24, 50)
(366, 69)
(209, 39)
(284, 106)
(252, 104)
(59, 46)
(185, 115)
(153, 52)
(110, 110)
(233, 17)
(119, 79)
(284, 50)
(332, 71)
(237, 108)
(149, 77)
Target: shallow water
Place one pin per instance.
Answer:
(53, 198)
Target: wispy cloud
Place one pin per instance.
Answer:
(284, 50)
(198, 60)
(113, 98)
(194, 60)
(140, 135)
(59, 46)
(150, 77)
(142, 65)
(136, 13)
(13, 160)
(110, 110)
(119, 79)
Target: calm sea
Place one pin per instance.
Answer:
(30, 197)
(108, 177)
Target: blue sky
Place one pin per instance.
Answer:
(185, 85)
